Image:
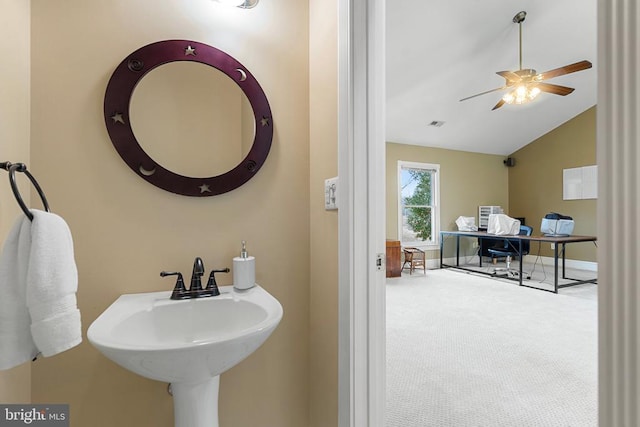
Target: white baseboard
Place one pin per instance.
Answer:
(570, 263)
(435, 263)
(530, 259)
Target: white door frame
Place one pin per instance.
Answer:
(361, 216)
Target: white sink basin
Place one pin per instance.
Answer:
(187, 343)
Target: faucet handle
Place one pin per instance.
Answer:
(212, 286)
(179, 291)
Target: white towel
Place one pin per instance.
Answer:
(44, 292)
(52, 282)
(16, 344)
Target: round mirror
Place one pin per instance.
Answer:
(197, 124)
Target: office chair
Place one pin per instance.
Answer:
(415, 258)
(509, 249)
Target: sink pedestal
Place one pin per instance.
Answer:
(196, 404)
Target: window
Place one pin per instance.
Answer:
(419, 204)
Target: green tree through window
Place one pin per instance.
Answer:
(418, 187)
(418, 205)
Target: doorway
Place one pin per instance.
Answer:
(361, 337)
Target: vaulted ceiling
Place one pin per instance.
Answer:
(440, 51)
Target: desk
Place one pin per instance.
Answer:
(516, 242)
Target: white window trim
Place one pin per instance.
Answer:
(435, 243)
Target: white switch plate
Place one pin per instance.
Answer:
(331, 194)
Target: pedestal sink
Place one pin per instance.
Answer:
(187, 343)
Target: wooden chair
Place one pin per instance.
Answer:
(415, 258)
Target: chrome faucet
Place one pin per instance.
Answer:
(195, 289)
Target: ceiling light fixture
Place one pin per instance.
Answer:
(525, 84)
(521, 95)
(242, 4)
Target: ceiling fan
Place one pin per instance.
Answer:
(526, 84)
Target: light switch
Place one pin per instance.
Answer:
(331, 194)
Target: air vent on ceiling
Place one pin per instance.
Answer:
(436, 123)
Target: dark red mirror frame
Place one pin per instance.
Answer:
(116, 115)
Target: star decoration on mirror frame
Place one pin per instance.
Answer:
(264, 121)
(204, 188)
(190, 51)
(117, 118)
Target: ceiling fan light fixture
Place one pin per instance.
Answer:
(521, 95)
(525, 84)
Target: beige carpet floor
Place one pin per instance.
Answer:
(464, 350)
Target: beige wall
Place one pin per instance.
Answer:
(535, 182)
(531, 189)
(15, 384)
(467, 180)
(324, 224)
(126, 231)
(215, 129)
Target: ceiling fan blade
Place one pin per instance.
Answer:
(511, 77)
(484, 93)
(567, 69)
(498, 105)
(555, 89)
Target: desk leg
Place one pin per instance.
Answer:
(564, 276)
(520, 260)
(457, 251)
(441, 248)
(480, 251)
(555, 268)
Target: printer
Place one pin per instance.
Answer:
(555, 224)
